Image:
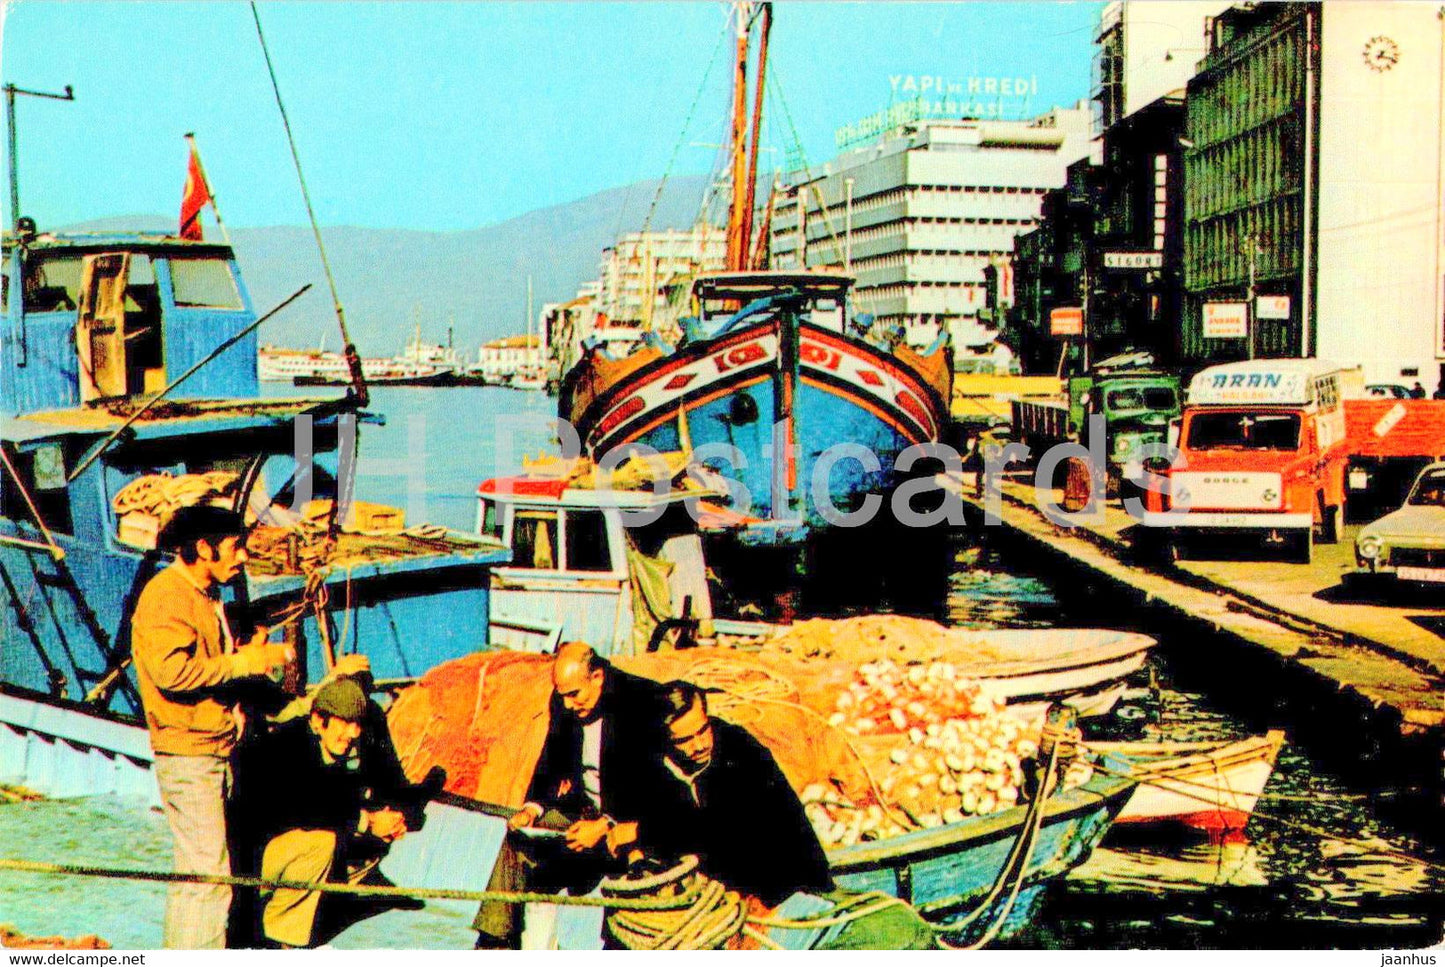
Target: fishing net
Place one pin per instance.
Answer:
(834, 726)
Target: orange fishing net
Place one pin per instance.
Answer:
(12, 939)
(484, 717)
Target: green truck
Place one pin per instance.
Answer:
(1136, 399)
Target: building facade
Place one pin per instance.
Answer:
(641, 275)
(1110, 244)
(1145, 50)
(1313, 178)
(926, 219)
(510, 355)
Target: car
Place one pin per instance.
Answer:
(1409, 543)
(1389, 391)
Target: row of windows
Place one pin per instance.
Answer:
(1247, 170)
(1266, 83)
(52, 283)
(1218, 251)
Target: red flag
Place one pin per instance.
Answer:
(195, 197)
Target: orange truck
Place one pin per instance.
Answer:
(1263, 452)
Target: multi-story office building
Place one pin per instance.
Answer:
(641, 274)
(1146, 50)
(926, 219)
(1313, 175)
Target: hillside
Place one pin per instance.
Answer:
(391, 278)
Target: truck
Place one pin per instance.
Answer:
(1136, 399)
(1391, 441)
(1263, 451)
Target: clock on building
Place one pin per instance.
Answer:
(1381, 53)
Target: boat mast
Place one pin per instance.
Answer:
(737, 243)
(752, 182)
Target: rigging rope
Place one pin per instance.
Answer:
(353, 361)
(682, 135)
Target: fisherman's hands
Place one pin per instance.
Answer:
(387, 824)
(620, 837)
(267, 656)
(586, 833)
(349, 666)
(524, 817)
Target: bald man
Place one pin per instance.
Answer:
(600, 762)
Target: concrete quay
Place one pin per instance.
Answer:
(1280, 632)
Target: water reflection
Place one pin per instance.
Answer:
(1314, 868)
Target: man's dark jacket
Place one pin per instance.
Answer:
(282, 783)
(629, 766)
(747, 826)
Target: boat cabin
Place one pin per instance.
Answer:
(603, 566)
(95, 317)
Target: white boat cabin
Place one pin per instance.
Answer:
(601, 566)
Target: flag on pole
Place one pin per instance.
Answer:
(196, 196)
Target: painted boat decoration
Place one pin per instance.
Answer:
(1212, 786)
(762, 392)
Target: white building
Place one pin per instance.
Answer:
(1316, 131)
(1146, 49)
(921, 215)
(641, 273)
(1378, 298)
(510, 355)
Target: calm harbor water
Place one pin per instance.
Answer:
(1323, 872)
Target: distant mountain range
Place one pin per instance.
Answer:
(390, 279)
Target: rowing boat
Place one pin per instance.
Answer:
(1212, 786)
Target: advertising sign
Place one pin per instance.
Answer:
(1066, 321)
(1226, 320)
(1271, 307)
(1133, 260)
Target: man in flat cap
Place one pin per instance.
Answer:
(321, 798)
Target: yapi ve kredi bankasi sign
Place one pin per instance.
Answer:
(934, 96)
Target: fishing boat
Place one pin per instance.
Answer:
(945, 873)
(577, 557)
(765, 373)
(92, 453)
(1212, 786)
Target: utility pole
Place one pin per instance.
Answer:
(848, 225)
(1249, 295)
(10, 91)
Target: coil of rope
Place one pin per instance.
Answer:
(161, 494)
(706, 917)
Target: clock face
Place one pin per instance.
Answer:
(1381, 53)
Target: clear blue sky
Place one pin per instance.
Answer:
(452, 116)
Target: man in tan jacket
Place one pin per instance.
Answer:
(184, 659)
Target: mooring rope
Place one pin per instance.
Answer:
(1274, 818)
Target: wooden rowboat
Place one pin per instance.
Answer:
(947, 871)
(1205, 785)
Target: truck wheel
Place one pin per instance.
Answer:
(1332, 525)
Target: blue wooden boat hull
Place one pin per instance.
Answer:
(721, 396)
(946, 872)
